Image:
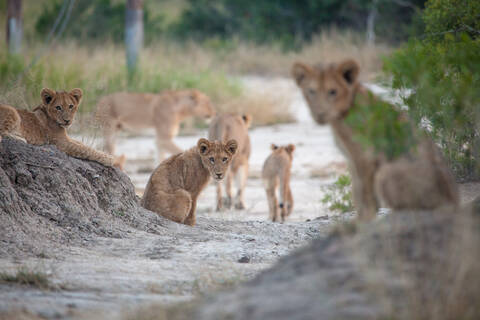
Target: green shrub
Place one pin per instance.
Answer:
(378, 125)
(338, 195)
(442, 75)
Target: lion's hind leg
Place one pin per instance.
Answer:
(9, 120)
(174, 206)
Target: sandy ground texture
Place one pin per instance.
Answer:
(111, 275)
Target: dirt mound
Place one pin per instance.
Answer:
(404, 266)
(48, 197)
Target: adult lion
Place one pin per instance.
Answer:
(163, 112)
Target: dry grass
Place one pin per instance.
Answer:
(24, 276)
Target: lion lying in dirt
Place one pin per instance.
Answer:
(223, 128)
(174, 186)
(48, 122)
(163, 112)
(276, 175)
(416, 178)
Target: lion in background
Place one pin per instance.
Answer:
(48, 123)
(173, 188)
(162, 112)
(223, 128)
(276, 176)
(416, 180)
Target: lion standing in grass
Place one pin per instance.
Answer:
(48, 123)
(162, 112)
(223, 128)
(173, 188)
(415, 178)
(276, 176)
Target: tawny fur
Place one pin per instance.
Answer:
(223, 128)
(162, 112)
(276, 177)
(421, 181)
(48, 122)
(173, 188)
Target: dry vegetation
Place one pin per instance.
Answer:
(25, 276)
(213, 67)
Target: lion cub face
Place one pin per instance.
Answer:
(288, 150)
(200, 104)
(61, 106)
(216, 156)
(329, 90)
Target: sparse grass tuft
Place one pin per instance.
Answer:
(24, 276)
(338, 195)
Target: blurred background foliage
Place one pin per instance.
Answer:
(441, 72)
(289, 23)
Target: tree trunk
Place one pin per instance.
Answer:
(14, 26)
(372, 15)
(133, 33)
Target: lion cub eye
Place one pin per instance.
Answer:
(311, 92)
(224, 160)
(71, 106)
(332, 92)
(58, 108)
(212, 160)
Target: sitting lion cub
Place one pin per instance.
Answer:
(276, 173)
(163, 112)
(174, 186)
(389, 161)
(47, 124)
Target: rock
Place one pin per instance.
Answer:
(421, 265)
(244, 259)
(47, 197)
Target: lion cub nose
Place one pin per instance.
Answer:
(67, 121)
(219, 175)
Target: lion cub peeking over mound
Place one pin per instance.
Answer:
(275, 174)
(163, 112)
(391, 162)
(48, 122)
(174, 186)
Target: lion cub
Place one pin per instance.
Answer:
(48, 122)
(163, 112)
(275, 174)
(174, 186)
(415, 178)
(231, 126)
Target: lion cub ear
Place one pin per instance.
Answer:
(77, 94)
(231, 146)
(247, 119)
(273, 146)
(203, 145)
(349, 71)
(290, 148)
(47, 95)
(301, 72)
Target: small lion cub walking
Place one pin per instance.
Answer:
(276, 173)
(174, 186)
(48, 123)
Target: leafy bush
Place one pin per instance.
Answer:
(377, 124)
(338, 195)
(442, 73)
